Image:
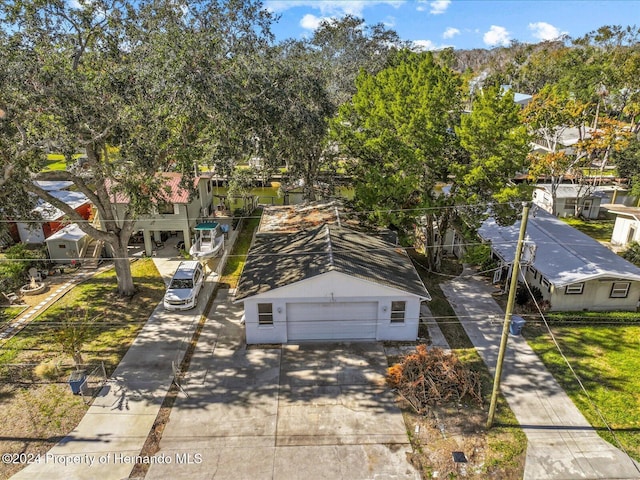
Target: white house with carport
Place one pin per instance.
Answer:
(626, 229)
(329, 283)
(182, 208)
(572, 270)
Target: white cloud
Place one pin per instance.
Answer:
(497, 36)
(545, 31)
(435, 7)
(311, 22)
(426, 45)
(450, 32)
(439, 6)
(390, 22)
(331, 7)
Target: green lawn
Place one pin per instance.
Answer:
(600, 230)
(607, 359)
(9, 313)
(235, 262)
(119, 320)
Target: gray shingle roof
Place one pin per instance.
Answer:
(275, 261)
(563, 254)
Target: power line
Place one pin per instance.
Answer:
(379, 210)
(575, 375)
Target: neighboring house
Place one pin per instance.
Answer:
(51, 218)
(563, 140)
(586, 197)
(329, 283)
(180, 212)
(572, 270)
(521, 99)
(67, 245)
(627, 226)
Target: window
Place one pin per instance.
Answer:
(397, 312)
(165, 208)
(570, 203)
(545, 283)
(62, 245)
(619, 290)
(534, 272)
(265, 314)
(575, 289)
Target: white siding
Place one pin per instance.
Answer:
(622, 228)
(31, 232)
(596, 296)
(358, 297)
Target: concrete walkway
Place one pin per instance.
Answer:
(561, 443)
(114, 429)
(116, 425)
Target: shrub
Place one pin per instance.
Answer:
(480, 255)
(632, 253)
(47, 370)
(523, 297)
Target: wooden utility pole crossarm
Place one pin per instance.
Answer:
(515, 272)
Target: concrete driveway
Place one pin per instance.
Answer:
(309, 411)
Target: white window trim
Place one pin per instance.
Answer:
(574, 289)
(616, 292)
(267, 315)
(399, 321)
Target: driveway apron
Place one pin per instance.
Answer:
(309, 411)
(561, 443)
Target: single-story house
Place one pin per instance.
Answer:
(184, 207)
(329, 283)
(567, 138)
(67, 245)
(521, 99)
(52, 219)
(572, 270)
(588, 199)
(627, 226)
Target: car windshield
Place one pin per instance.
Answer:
(180, 283)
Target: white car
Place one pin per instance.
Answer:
(185, 286)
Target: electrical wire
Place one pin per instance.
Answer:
(575, 375)
(380, 210)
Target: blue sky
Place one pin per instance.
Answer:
(462, 24)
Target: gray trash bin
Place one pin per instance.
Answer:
(76, 379)
(516, 325)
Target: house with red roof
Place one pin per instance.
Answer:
(183, 207)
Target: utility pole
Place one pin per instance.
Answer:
(515, 272)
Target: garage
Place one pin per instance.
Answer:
(332, 321)
(329, 284)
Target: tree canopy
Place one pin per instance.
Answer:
(107, 78)
(406, 137)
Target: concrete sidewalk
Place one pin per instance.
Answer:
(561, 443)
(116, 425)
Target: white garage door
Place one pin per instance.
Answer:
(332, 321)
